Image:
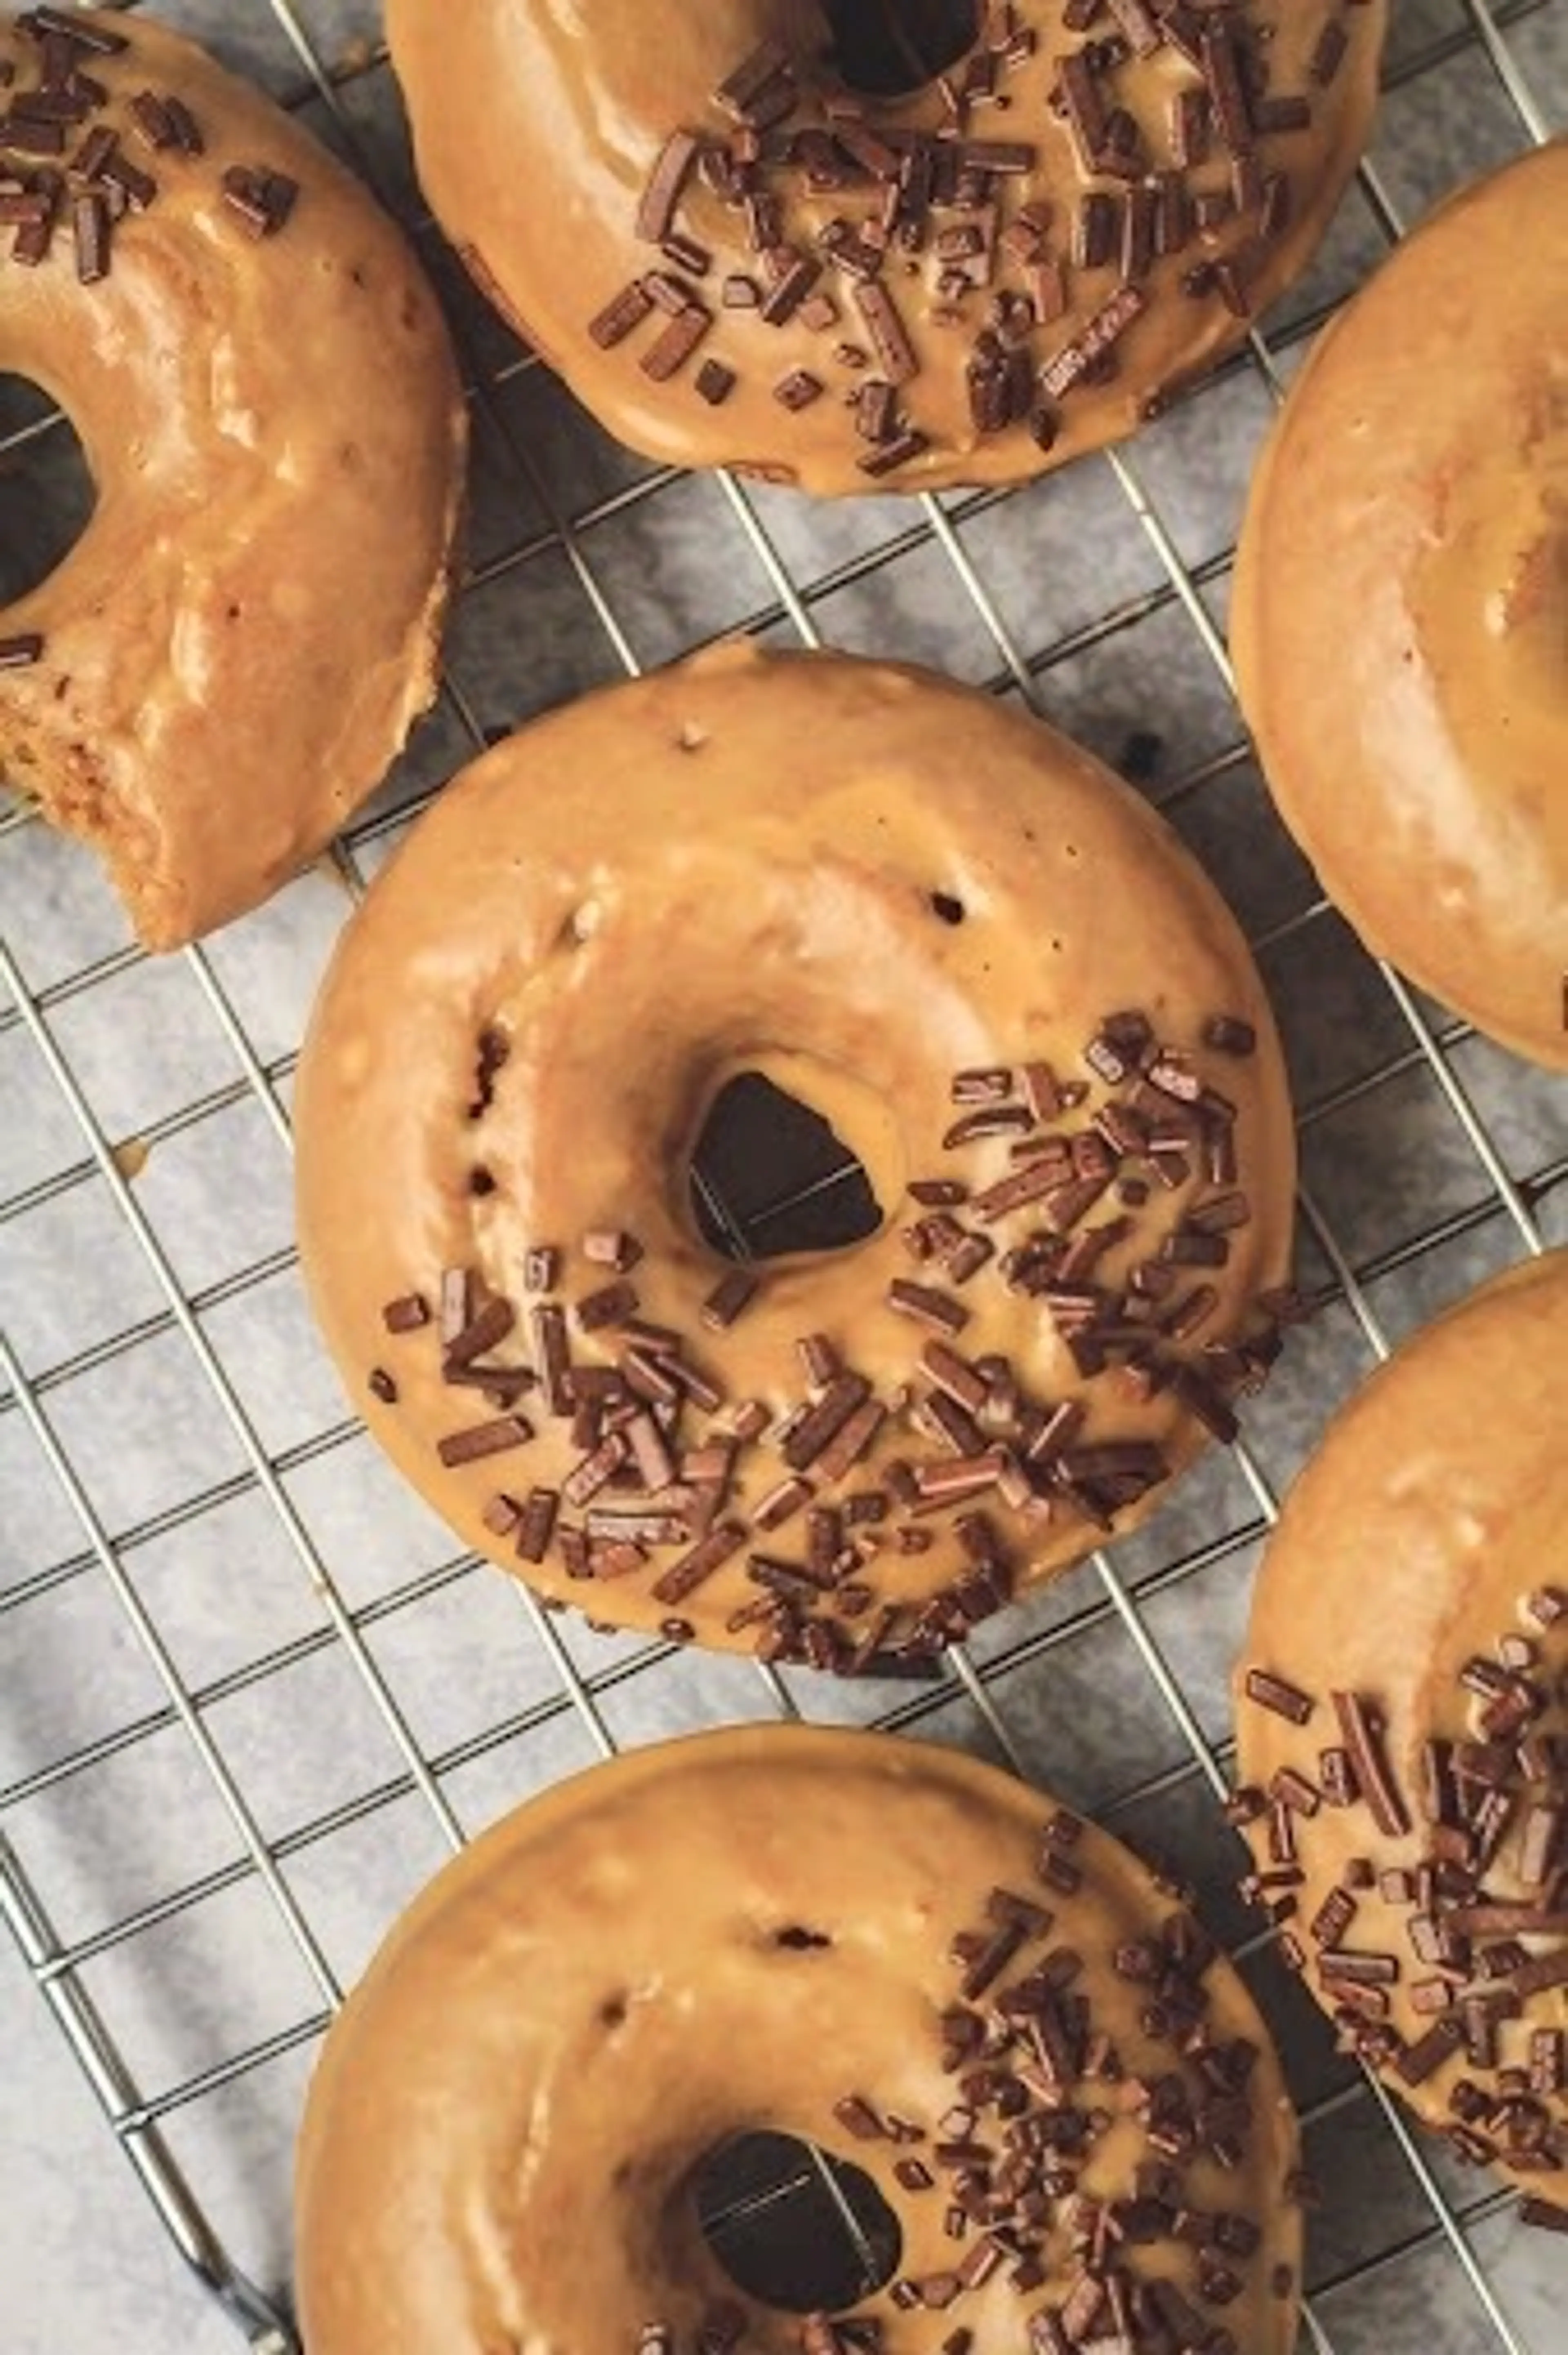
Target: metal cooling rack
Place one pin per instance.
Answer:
(134, 1102)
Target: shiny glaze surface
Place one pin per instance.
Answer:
(654, 891)
(537, 127)
(1437, 1504)
(498, 2147)
(238, 645)
(1401, 614)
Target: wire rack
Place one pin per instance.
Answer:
(249, 1694)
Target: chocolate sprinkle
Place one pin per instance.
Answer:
(928, 1306)
(538, 1525)
(695, 1568)
(1363, 1740)
(481, 1332)
(665, 357)
(91, 224)
(713, 382)
(656, 214)
(730, 1297)
(261, 200)
(1274, 1693)
(620, 316)
(483, 1439)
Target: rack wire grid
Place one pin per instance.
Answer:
(250, 1696)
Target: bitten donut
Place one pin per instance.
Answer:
(1400, 609)
(733, 255)
(901, 1955)
(1021, 1006)
(229, 658)
(1402, 1729)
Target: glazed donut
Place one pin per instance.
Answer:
(734, 257)
(227, 661)
(1401, 608)
(1029, 2045)
(1401, 1714)
(1019, 1003)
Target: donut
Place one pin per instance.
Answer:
(736, 249)
(1020, 1005)
(1029, 2044)
(1401, 608)
(233, 653)
(1402, 1711)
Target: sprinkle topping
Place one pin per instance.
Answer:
(1459, 1909)
(953, 229)
(66, 166)
(1111, 1235)
(1040, 2081)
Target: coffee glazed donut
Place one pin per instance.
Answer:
(1020, 1004)
(731, 258)
(1402, 1729)
(900, 1955)
(229, 658)
(1401, 608)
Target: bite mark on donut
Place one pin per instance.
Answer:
(75, 793)
(108, 105)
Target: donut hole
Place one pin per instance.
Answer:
(888, 48)
(793, 2226)
(46, 490)
(770, 1176)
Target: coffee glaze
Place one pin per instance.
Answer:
(739, 1932)
(236, 649)
(1400, 620)
(537, 130)
(858, 880)
(1410, 1549)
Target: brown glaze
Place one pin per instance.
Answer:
(751, 863)
(1408, 1548)
(503, 2125)
(1400, 622)
(238, 645)
(538, 129)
